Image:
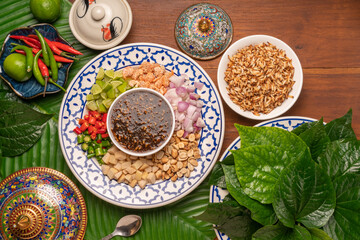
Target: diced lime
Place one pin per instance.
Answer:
(107, 87)
(102, 108)
(91, 105)
(103, 95)
(107, 102)
(118, 74)
(96, 89)
(109, 73)
(89, 97)
(100, 74)
(122, 87)
(97, 96)
(111, 93)
(115, 84)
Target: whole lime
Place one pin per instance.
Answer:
(15, 67)
(45, 10)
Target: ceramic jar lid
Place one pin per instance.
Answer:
(100, 24)
(41, 203)
(203, 31)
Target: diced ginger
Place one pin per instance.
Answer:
(111, 173)
(138, 175)
(119, 155)
(118, 166)
(118, 175)
(130, 170)
(106, 158)
(121, 179)
(142, 168)
(129, 177)
(133, 183)
(142, 183)
(137, 164)
(105, 169)
(112, 159)
(113, 150)
(151, 178)
(126, 164)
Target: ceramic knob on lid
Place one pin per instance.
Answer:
(203, 31)
(41, 203)
(100, 24)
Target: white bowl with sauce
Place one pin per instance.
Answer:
(140, 122)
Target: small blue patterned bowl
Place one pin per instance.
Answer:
(31, 88)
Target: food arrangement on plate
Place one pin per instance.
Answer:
(170, 173)
(141, 126)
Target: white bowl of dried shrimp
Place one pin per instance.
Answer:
(260, 77)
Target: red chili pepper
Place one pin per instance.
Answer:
(77, 130)
(93, 136)
(86, 117)
(57, 57)
(84, 126)
(99, 125)
(98, 141)
(101, 131)
(92, 120)
(104, 135)
(104, 117)
(81, 121)
(53, 47)
(30, 39)
(67, 48)
(33, 44)
(95, 114)
(92, 129)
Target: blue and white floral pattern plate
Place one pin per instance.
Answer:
(288, 123)
(88, 171)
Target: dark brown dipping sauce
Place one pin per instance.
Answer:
(141, 121)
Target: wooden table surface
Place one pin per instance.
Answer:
(324, 34)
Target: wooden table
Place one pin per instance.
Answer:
(324, 34)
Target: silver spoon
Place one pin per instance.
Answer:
(126, 227)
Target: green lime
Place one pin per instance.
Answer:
(45, 10)
(15, 67)
(109, 73)
(100, 74)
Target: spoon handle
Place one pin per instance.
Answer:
(108, 237)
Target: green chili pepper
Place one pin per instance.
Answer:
(36, 70)
(44, 48)
(53, 64)
(29, 56)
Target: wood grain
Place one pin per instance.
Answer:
(324, 34)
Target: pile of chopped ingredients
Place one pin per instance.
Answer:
(259, 78)
(178, 158)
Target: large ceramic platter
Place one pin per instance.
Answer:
(288, 123)
(88, 171)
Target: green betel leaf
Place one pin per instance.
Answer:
(340, 128)
(231, 218)
(261, 213)
(304, 194)
(253, 136)
(280, 232)
(20, 127)
(345, 223)
(303, 127)
(217, 176)
(318, 234)
(316, 138)
(259, 167)
(341, 157)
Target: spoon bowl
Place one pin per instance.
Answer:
(126, 227)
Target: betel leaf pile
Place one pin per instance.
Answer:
(303, 184)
